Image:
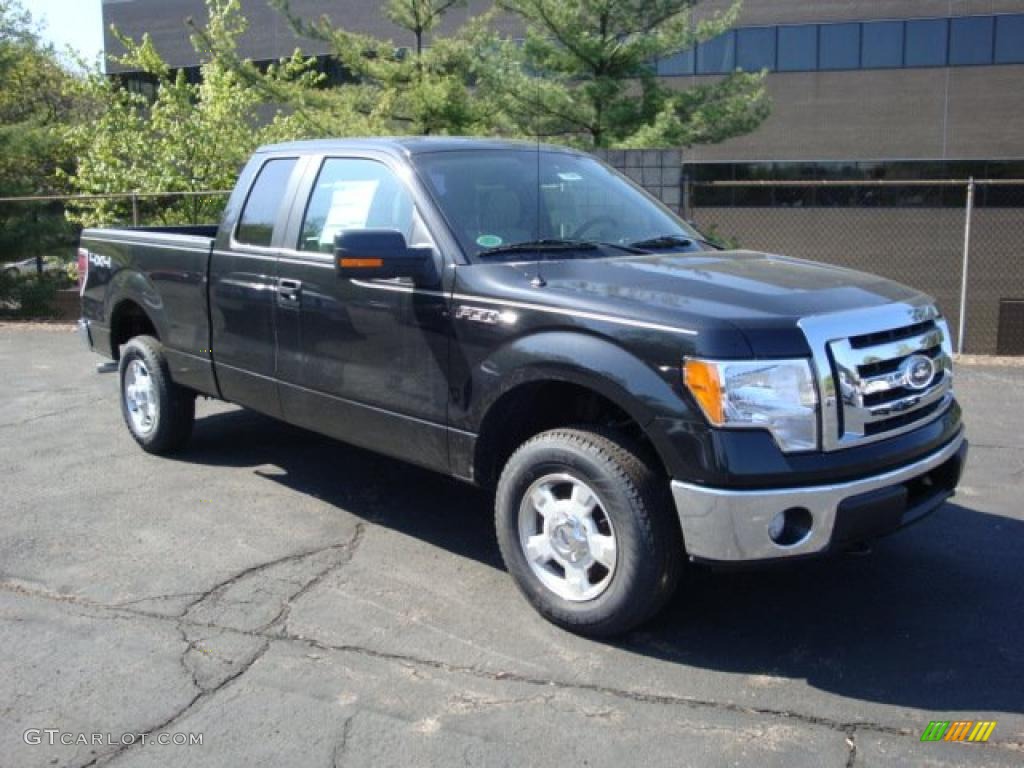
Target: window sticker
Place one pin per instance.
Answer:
(489, 241)
(350, 207)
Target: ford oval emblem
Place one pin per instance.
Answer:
(918, 372)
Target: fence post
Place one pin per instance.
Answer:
(135, 209)
(35, 231)
(685, 193)
(966, 262)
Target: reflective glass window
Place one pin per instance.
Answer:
(926, 41)
(798, 48)
(971, 40)
(755, 48)
(839, 46)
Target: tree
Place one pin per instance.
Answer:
(417, 89)
(585, 71)
(33, 102)
(188, 138)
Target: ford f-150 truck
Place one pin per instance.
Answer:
(524, 318)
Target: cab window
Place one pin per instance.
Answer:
(256, 224)
(352, 193)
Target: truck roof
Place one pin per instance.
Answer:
(410, 145)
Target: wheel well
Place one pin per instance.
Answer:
(128, 321)
(532, 408)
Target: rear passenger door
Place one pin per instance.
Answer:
(362, 360)
(243, 283)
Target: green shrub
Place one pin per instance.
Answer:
(31, 296)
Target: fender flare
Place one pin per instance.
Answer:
(133, 286)
(587, 360)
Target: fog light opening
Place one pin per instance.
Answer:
(790, 526)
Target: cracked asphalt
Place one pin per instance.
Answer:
(300, 602)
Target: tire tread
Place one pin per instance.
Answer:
(177, 406)
(647, 494)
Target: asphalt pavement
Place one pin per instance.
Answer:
(291, 601)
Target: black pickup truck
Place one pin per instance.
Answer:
(527, 319)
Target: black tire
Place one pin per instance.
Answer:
(637, 502)
(170, 427)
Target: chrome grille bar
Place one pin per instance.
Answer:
(876, 368)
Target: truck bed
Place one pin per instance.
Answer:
(189, 232)
(162, 271)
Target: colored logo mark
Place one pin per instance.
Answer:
(958, 730)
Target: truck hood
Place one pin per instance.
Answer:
(761, 295)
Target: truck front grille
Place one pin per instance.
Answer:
(881, 372)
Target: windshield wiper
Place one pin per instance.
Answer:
(672, 241)
(544, 245)
(628, 248)
(663, 241)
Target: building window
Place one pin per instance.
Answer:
(718, 55)
(891, 196)
(926, 44)
(1010, 39)
(881, 44)
(971, 40)
(798, 48)
(839, 46)
(677, 64)
(755, 48)
(956, 41)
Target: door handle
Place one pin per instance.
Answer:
(288, 292)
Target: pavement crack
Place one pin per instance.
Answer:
(190, 647)
(643, 697)
(342, 743)
(348, 548)
(181, 712)
(155, 598)
(220, 588)
(267, 637)
(851, 747)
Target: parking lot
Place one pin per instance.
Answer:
(299, 602)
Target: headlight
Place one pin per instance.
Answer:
(777, 395)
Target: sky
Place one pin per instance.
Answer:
(78, 23)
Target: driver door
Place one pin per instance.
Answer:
(362, 360)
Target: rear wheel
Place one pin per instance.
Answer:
(158, 412)
(587, 531)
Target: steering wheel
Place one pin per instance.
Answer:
(590, 224)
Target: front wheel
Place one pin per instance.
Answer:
(158, 412)
(586, 530)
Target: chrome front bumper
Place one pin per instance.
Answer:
(732, 525)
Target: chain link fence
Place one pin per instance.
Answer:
(38, 240)
(41, 227)
(960, 241)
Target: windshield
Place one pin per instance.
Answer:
(490, 199)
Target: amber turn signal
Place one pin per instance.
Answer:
(704, 383)
(346, 263)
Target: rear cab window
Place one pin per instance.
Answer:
(264, 203)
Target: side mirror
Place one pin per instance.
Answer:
(381, 253)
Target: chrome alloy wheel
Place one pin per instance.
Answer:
(567, 537)
(140, 397)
